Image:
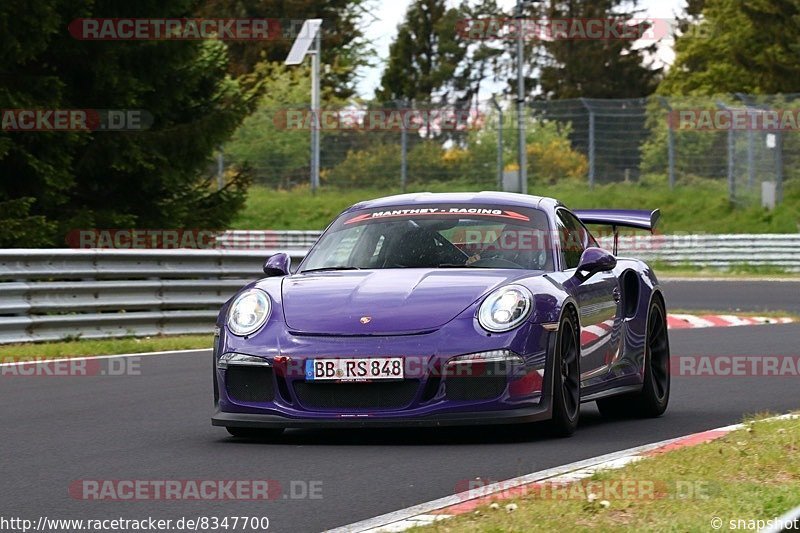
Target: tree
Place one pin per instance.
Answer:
(734, 46)
(344, 48)
(425, 55)
(278, 153)
(60, 181)
(596, 68)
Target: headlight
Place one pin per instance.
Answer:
(505, 309)
(248, 312)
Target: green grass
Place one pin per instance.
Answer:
(748, 474)
(743, 271)
(77, 348)
(701, 207)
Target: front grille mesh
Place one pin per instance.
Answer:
(483, 388)
(373, 395)
(481, 382)
(249, 383)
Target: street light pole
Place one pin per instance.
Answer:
(315, 112)
(310, 35)
(521, 156)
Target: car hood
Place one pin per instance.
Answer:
(384, 302)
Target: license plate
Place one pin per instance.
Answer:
(354, 369)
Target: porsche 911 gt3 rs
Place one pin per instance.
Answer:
(446, 309)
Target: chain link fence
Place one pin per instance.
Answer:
(745, 141)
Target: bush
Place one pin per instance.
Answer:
(472, 160)
(554, 160)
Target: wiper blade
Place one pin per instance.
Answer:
(455, 265)
(334, 268)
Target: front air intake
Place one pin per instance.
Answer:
(247, 383)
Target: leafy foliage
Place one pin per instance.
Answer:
(344, 49)
(597, 68)
(475, 161)
(737, 46)
(277, 153)
(58, 181)
(425, 56)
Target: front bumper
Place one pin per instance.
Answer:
(429, 404)
(509, 416)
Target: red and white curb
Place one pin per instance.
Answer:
(466, 502)
(593, 332)
(682, 321)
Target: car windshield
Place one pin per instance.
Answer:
(435, 236)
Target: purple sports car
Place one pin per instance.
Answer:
(446, 309)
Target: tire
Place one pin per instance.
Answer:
(653, 399)
(566, 380)
(255, 433)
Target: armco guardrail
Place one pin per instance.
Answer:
(57, 294)
(718, 251)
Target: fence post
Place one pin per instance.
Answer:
(670, 142)
(731, 159)
(751, 167)
(591, 142)
(778, 166)
(403, 150)
(731, 162)
(751, 158)
(499, 143)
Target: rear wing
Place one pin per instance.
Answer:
(616, 218)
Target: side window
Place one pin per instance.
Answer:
(573, 237)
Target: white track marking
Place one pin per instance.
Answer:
(90, 357)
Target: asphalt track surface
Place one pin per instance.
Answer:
(155, 426)
(733, 295)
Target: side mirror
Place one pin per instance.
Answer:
(278, 265)
(594, 260)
